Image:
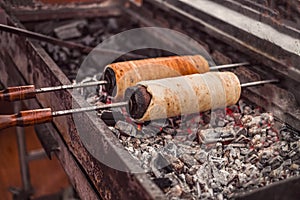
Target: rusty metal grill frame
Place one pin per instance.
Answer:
(29, 63)
(30, 12)
(277, 61)
(25, 60)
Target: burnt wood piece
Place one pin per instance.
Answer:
(138, 101)
(17, 93)
(108, 182)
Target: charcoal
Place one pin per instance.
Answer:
(276, 162)
(111, 117)
(126, 128)
(186, 195)
(201, 157)
(193, 170)
(50, 47)
(162, 183)
(88, 40)
(295, 167)
(70, 30)
(189, 179)
(172, 176)
(149, 131)
(248, 152)
(176, 163)
(112, 25)
(154, 165)
(175, 191)
(188, 160)
(161, 163)
(170, 149)
(295, 145)
(45, 27)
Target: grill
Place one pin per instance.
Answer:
(224, 37)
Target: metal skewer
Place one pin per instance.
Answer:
(29, 91)
(26, 92)
(255, 83)
(31, 117)
(65, 87)
(71, 45)
(122, 104)
(88, 109)
(228, 66)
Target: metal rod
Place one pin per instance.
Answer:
(87, 109)
(36, 155)
(24, 167)
(68, 44)
(228, 66)
(64, 87)
(37, 116)
(121, 104)
(255, 83)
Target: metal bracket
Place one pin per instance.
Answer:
(47, 140)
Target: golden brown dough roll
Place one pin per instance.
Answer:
(158, 99)
(122, 75)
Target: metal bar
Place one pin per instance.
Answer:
(255, 46)
(228, 66)
(64, 87)
(255, 83)
(101, 8)
(36, 155)
(77, 176)
(25, 176)
(87, 109)
(47, 140)
(123, 185)
(68, 44)
(89, 176)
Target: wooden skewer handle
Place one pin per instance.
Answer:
(17, 93)
(26, 118)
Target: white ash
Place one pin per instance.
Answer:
(246, 153)
(188, 158)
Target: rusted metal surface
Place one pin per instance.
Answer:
(77, 177)
(68, 44)
(72, 168)
(284, 190)
(272, 60)
(34, 65)
(37, 12)
(280, 102)
(48, 142)
(263, 14)
(112, 184)
(269, 50)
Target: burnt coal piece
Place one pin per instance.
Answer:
(208, 155)
(246, 152)
(89, 32)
